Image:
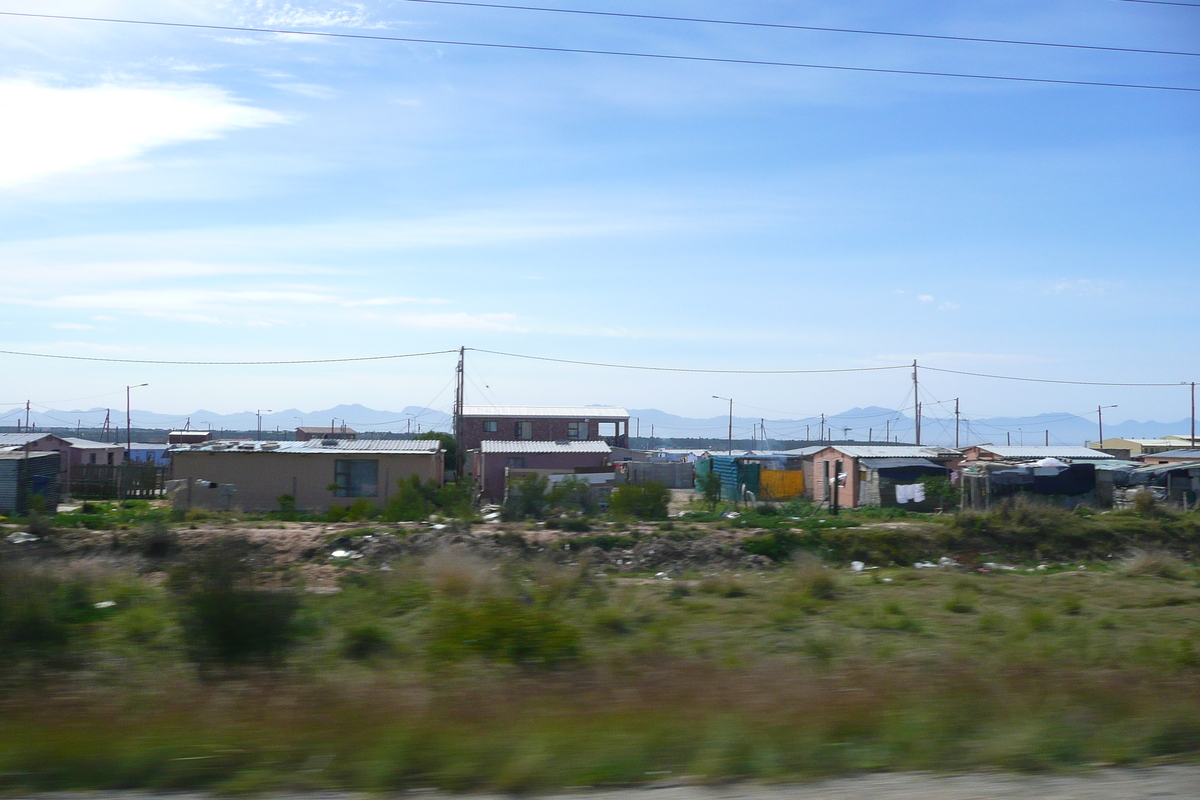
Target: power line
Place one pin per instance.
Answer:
(681, 369)
(621, 53)
(1045, 380)
(223, 363)
(817, 28)
(1162, 3)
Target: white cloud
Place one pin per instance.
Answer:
(926, 298)
(463, 321)
(948, 306)
(49, 130)
(313, 90)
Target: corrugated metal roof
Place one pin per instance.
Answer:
(893, 451)
(88, 444)
(314, 446)
(1187, 453)
(544, 447)
(16, 455)
(1036, 452)
(584, 412)
(18, 439)
(898, 463)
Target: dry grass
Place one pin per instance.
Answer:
(1153, 563)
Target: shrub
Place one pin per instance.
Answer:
(960, 604)
(224, 617)
(572, 494)
(575, 525)
(710, 487)
(648, 501)
(1154, 564)
(38, 611)
(287, 503)
(723, 585)
(526, 499)
(364, 641)
(815, 581)
(502, 628)
(776, 545)
(158, 540)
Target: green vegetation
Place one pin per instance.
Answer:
(648, 501)
(525, 666)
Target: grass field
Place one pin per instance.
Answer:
(538, 669)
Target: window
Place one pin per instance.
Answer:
(577, 430)
(356, 478)
(516, 462)
(608, 429)
(491, 426)
(110, 458)
(91, 458)
(523, 430)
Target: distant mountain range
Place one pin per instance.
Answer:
(860, 424)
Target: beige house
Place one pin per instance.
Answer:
(1127, 448)
(253, 476)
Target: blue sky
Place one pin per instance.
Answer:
(201, 195)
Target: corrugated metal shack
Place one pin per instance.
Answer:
(24, 476)
(1177, 484)
(755, 477)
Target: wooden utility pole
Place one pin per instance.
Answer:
(916, 404)
(459, 390)
(27, 415)
(1193, 415)
(1047, 437)
(956, 421)
(822, 427)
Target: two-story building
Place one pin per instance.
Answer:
(479, 424)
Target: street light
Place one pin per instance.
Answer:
(730, 399)
(128, 426)
(1100, 419)
(259, 414)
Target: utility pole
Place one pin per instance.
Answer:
(887, 430)
(956, 420)
(822, 427)
(1008, 436)
(870, 433)
(258, 413)
(128, 424)
(1047, 437)
(1100, 421)
(638, 420)
(26, 415)
(1193, 415)
(916, 404)
(459, 398)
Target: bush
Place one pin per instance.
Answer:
(502, 628)
(416, 501)
(364, 641)
(648, 501)
(224, 617)
(38, 611)
(526, 499)
(572, 494)
(158, 540)
(815, 581)
(1154, 564)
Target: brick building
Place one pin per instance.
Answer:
(606, 424)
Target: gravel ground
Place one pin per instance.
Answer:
(1109, 784)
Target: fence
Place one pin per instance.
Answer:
(673, 475)
(121, 481)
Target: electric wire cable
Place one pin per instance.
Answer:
(1045, 380)
(683, 369)
(225, 363)
(620, 53)
(816, 28)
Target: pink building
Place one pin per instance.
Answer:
(492, 460)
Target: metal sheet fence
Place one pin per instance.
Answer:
(121, 481)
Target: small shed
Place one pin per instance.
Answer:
(26, 475)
